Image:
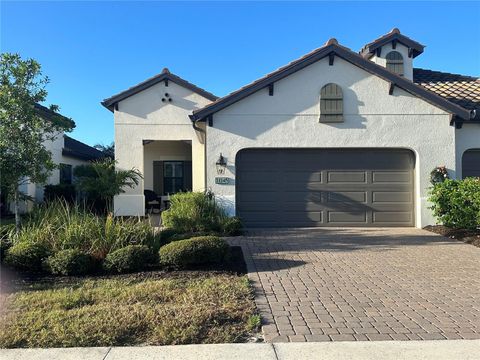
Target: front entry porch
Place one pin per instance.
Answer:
(168, 167)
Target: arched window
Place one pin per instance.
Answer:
(331, 103)
(395, 62)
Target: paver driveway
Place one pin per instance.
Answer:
(363, 284)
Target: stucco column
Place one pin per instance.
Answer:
(132, 201)
(198, 166)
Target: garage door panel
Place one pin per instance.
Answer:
(257, 205)
(325, 187)
(258, 196)
(347, 197)
(392, 177)
(392, 197)
(347, 217)
(302, 206)
(347, 177)
(302, 216)
(391, 217)
(302, 176)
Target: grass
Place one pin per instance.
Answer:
(141, 309)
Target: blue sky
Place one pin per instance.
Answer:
(92, 50)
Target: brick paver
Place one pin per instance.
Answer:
(363, 284)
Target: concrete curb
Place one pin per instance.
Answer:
(355, 350)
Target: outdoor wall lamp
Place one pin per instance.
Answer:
(221, 165)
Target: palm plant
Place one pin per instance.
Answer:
(100, 180)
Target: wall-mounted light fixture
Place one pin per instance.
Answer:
(221, 165)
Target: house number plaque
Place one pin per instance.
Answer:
(221, 180)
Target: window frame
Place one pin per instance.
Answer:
(68, 180)
(166, 179)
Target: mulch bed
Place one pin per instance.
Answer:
(467, 236)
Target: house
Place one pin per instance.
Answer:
(335, 138)
(66, 153)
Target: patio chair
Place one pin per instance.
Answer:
(152, 201)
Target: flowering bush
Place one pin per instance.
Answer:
(439, 175)
(456, 203)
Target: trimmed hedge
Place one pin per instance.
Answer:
(70, 262)
(27, 256)
(195, 251)
(131, 258)
(456, 203)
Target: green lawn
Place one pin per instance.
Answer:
(141, 309)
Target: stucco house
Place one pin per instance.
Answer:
(335, 138)
(66, 154)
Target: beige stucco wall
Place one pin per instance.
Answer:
(373, 118)
(407, 62)
(144, 116)
(468, 137)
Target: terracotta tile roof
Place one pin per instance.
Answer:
(458, 89)
(394, 35)
(332, 47)
(164, 75)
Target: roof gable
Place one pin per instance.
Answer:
(331, 49)
(415, 48)
(166, 76)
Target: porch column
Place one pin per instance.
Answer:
(198, 166)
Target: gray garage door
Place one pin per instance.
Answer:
(320, 187)
(471, 163)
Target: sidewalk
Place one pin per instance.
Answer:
(358, 350)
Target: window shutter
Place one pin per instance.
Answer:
(187, 176)
(331, 103)
(395, 62)
(158, 177)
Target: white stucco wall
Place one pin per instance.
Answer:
(144, 116)
(407, 62)
(36, 190)
(468, 137)
(373, 118)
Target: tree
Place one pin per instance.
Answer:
(25, 125)
(100, 180)
(108, 150)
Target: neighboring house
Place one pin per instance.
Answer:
(335, 138)
(66, 153)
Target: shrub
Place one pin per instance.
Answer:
(6, 234)
(194, 251)
(27, 256)
(64, 192)
(128, 259)
(70, 262)
(456, 203)
(195, 212)
(232, 226)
